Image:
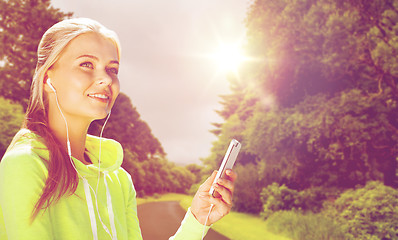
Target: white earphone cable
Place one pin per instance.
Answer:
(73, 164)
(99, 157)
(67, 130)
(207, 219)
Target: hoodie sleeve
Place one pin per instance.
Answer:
(190, 228)
(134, 230)
(22, 178)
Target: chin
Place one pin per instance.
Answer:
(102, 116)
(99, 115)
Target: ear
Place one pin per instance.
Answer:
(46, 86)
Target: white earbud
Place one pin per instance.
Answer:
(50, 85)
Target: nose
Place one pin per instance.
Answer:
(104, 79)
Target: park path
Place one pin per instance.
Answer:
(160, 220)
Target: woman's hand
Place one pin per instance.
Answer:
(202, 201)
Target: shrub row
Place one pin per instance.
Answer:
(366, 213)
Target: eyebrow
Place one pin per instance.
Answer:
(96, 58)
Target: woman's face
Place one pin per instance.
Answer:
(86, 77)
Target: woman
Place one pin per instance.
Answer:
(57, 182)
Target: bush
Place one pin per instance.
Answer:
(156, 195)
(370, 212)
(278, 198)
(247, 190)
(312, 199)
(299, 226)
(194, 188)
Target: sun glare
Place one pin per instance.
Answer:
(228, 57)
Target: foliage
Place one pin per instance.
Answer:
(317, 110)
(126, 126)
(195, 170)
(281, 198)
(247, 189)
(309, 226)
(156, 175)
(22, 24)
(369, 212)
(11, 117)
(340, 141)
(233, 128)
(322, 46)
(144, 157)
(318, 105)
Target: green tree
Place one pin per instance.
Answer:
(11, 117)
(247, 189)
(126, 126)
(324, 46)
(318, 107)
(342, 141)
(144, 157)
(196, 170)
(183, 178)
(22, 24)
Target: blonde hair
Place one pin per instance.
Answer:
(53, 42)
(62, 177)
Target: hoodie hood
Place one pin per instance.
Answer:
(111, 157)
(111, 152)
(106, 156)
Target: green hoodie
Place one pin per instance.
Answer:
(23, 172)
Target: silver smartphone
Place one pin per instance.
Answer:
(227, 163)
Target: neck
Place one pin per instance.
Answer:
(77, 130)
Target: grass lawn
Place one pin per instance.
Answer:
(164, 197)
(236, 226)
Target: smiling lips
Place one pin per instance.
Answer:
(100, 97)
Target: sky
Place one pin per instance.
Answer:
(163, 69)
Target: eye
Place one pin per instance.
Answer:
(87, 64)
(113, 70)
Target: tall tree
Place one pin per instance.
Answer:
(322, 106)
(11, 117)
(144, 156)
(322, 46)
(22, 24)
(336, 49)
(342, 141)
(126, 126)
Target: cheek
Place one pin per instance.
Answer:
(115, 92)
(115, 88)
(76, 80)
(77, 89)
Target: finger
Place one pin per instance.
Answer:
(226, 195)
(231, 175)
(205, 196)
(227, 184)
(220, 205)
